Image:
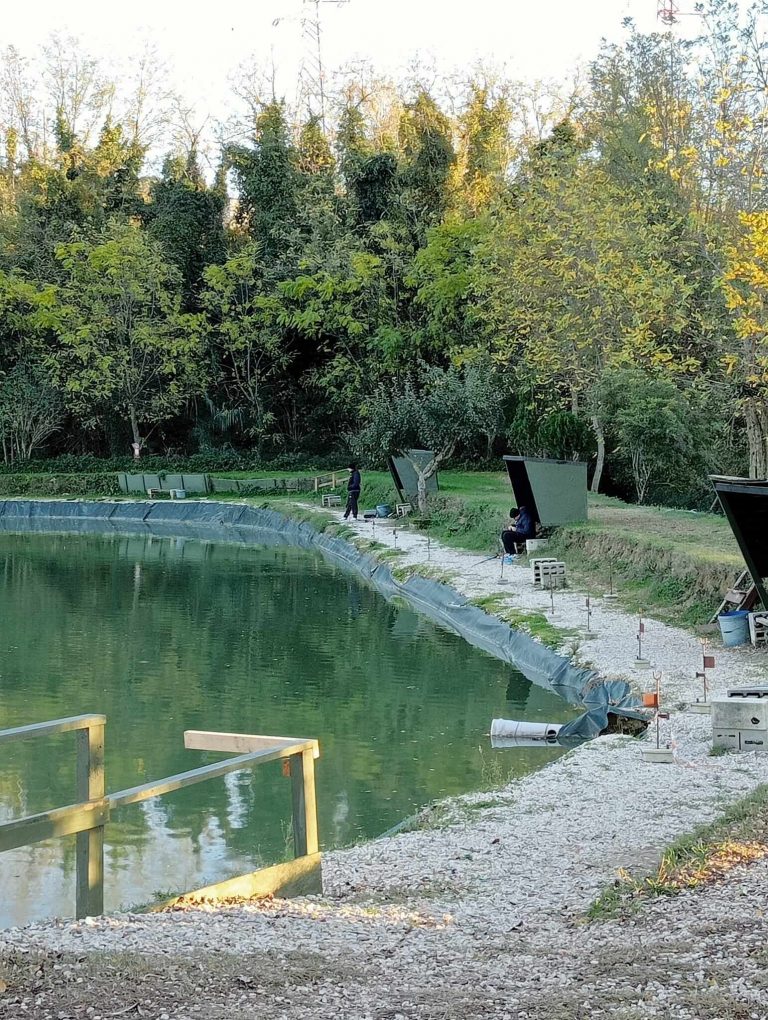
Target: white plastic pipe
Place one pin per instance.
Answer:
(522, 732)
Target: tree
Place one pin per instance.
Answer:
(576, 280)
(746, 361)
(187, 217)
(442, 278)
(123, 342)
(248, 342)
(658, 429)
(428, 156)
(31, 410)
(266, 178)
(434, 410)
(484, 152)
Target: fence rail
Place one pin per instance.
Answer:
(202, 485)
(88, 817)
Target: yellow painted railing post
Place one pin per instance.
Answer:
(89, 898)
(304, 804)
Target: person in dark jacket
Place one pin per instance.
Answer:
(353, 492)
(520, 530)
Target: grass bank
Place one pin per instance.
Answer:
(674, 564)
(739, 836)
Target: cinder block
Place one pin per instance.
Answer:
(758, 628)
(740, 724)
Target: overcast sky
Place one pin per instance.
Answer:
(204, 42)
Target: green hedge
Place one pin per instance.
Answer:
(97, 484)
(198, 463)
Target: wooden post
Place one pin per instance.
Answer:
(89, 899)
(304, 804)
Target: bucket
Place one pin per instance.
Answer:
(384, 510)
(734, 627)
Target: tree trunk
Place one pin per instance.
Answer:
(424, 473)
(135, 431)
(421, 492)
(756, 416)
(599, 463)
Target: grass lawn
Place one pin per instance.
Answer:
(673, 563)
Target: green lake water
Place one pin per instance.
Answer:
(164, 635)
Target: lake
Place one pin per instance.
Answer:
(165, 634)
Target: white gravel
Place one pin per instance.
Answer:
(480, 913)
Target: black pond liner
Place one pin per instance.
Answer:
(232, 522)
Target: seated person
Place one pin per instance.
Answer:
(520, 530)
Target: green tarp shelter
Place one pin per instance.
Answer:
(554, 491)
(404, 477)
(745, 504)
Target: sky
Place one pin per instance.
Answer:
(204, 43)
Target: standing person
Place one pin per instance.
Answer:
(353, 492)
(521, 529)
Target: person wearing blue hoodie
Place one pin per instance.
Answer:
(353, 492)
(520, 530)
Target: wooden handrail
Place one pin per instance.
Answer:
(73, 722)
(220, 768)
(88, 817)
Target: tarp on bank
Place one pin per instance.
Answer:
(232, 522)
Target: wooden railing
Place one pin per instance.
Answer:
(91, 813)
(330, 480)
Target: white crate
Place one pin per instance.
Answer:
(331, 499)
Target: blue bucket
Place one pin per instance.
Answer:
(734, 627)
(384, 510)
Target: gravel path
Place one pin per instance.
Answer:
(480, 912)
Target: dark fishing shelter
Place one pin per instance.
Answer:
(745, 504)
(404, 477)
(554, 491)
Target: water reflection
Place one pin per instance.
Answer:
(169, 634)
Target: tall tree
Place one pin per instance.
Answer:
(124, 344)
(266, 179)
(485, 147)
(576, 281)
(186, 216)
(746, 361)
(248, 342)
(427, 159)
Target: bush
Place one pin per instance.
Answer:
(211, 462)
(96, 484)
